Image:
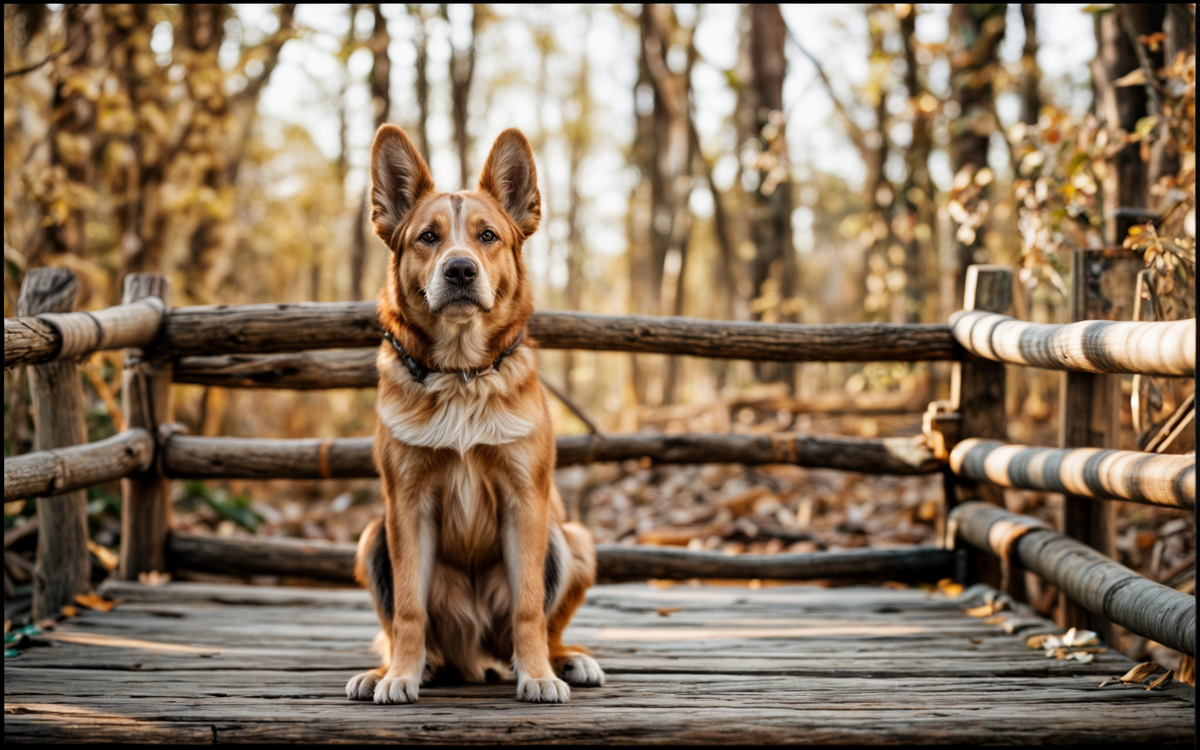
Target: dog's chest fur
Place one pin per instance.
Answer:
(444, 412)
(467, 438)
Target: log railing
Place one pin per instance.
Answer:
(1167, 481)
(51, 336)
(78, 467)
(335, 562)
(334, 345)
(186, 457)
(1095, 581)
(1165, 348)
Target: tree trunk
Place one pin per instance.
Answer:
(976, 31)
(917, 233)
(381, 101)
(462, 70)
(773, 270)
(1031, 75)
(420, 41)
(1120, 107)
(579, 139)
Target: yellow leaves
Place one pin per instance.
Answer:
(72, 149)
(1142, 672)
(107, 557)
(95, 601)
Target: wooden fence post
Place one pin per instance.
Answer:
(1103, 283)
(63, 568)
(977, 389)
(146, 398)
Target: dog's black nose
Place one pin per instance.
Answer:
(460, 271)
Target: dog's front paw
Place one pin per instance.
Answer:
(581, 669)
(397, 689)
(545, 690)
(361, 687)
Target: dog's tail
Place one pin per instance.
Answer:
(373, 567)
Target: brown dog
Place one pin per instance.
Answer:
(473, 567)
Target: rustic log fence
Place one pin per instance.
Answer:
(333, 345)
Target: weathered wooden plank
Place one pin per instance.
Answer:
(131, 675)
(1148, 478)
(251, 329)
(56, 390)
(1096, 582)
(1166, 348)
(323, 458)
(77, 467)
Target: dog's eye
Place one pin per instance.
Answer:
(487, 236)
(428, 237)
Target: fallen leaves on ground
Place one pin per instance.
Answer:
(1142, 672)
(665, 611)
(95, 601)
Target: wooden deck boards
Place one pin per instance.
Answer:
(195, 663)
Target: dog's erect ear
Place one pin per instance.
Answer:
(399, 177)
(510, 176)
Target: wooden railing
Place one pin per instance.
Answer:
(289, 346)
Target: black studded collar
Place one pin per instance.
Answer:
(420, 370)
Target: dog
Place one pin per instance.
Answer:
(473, 569)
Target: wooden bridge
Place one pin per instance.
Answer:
(689, 662)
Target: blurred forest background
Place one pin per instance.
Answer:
(810, 164)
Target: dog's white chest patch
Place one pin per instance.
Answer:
(466, 415)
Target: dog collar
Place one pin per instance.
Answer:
(419, 370)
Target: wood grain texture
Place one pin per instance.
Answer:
(335, 562)
(51, 336)
(187, 457)
(29, 341)
(146, 399)
(1096, 582)
(728, 665)
(1155, 348)
(302, 371)
(1103, 287)
(56, 390)
(252, 329)
(77, 467)
(977, 395)
(1165, 480)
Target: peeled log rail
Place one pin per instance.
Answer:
(253, 329)
(901, 455)
(335, 562)
(187, 457)
(51, 336)
(302, 371)
(1157, 348)
(1096, 582)
(1147, 478)
(64, 469)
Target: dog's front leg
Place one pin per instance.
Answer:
(411, 546)
(526, 539)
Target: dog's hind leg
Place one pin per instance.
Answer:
(573, 664)
(373, 569)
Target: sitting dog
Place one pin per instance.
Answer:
(473, 568)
